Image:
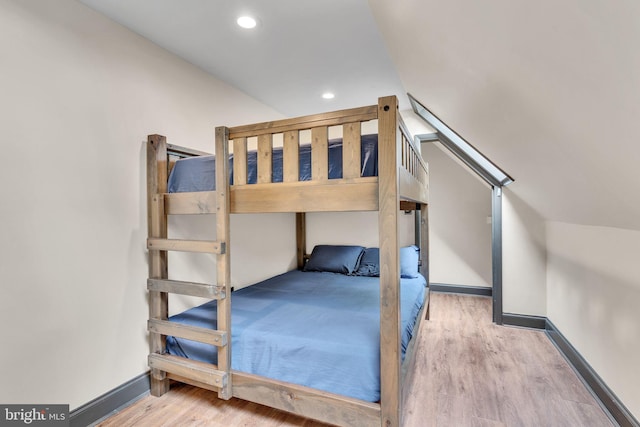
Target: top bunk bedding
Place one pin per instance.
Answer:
(316, 329)
(193, 174)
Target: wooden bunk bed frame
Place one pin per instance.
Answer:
(401, 184)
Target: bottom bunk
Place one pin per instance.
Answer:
(318, 327)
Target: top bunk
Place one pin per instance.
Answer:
(295, 166)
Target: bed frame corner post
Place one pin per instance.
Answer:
(157, 171)
(157, 176)
(223, 259)
(425, 251)
(301, 238)
(388, 197)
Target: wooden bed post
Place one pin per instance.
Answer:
(301, 238)
(424, 246)
(390, 356)
(158, 269)
(223, 259)
(424, 241)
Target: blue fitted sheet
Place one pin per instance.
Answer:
(199, 173)
(316, 329)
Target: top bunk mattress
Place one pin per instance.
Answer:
(199, 173)
(316, 329)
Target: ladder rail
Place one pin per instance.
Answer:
(223, 260)
(157, 176)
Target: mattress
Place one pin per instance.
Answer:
(199, 173)
(316, 329)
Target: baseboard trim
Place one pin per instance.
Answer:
(524, 321)
(609, 400)
(460, 289)
(110, 402)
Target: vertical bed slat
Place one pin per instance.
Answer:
(223, 260)
(157, 172)
(351, 150)
(320, 153)
(240, 161)
(389, 157)
(290, 156)
(265, 165)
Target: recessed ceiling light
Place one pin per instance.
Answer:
(328, 95)
(247, 22)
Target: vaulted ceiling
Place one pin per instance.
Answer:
(550, 91)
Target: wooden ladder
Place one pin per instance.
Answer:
(161, 204)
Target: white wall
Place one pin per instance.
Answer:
(593, 297)
(524, 289)
(460, 235)
(353, 228)
(78, 96)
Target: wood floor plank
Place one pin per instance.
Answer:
(469, 373)
(493, 374)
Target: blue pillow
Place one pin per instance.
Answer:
(334, 258)
(409, 256)
(370, 262)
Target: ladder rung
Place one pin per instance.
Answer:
(206, 246)
(194, 333)
(201, 202)
(192, 369)
(203, 290)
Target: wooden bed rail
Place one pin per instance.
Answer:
(351, 192)
(414, 175)
(334, 118)
(182, 152)
(289, 131)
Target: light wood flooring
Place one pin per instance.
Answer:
(469, 373)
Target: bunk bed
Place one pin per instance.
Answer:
(399, 184)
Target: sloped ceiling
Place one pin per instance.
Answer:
(550, 91)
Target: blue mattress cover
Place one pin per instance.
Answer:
(316, 329)
(199, 173)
